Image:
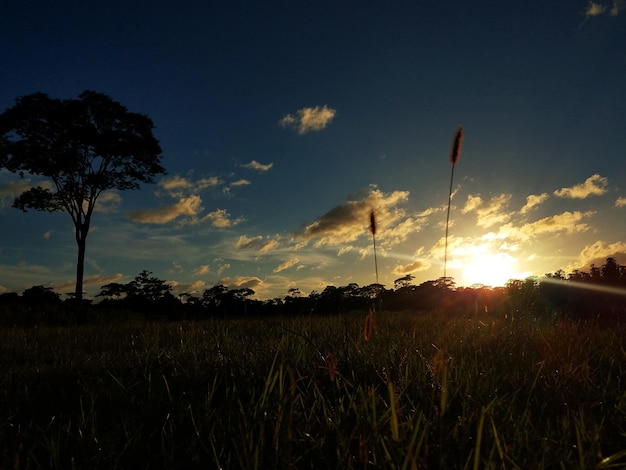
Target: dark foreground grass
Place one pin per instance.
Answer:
(427, 391)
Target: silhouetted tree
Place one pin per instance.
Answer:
(610, 271)
(38, 295)
(147, 287)
(403, 282)
(83, 147)
(113, 290)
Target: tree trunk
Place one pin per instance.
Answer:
(81, 240)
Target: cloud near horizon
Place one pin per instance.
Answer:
(242, 282)
(309, 119)
(595, 185)
(417, 265)
(597, 253)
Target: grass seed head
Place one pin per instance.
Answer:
(457, 146)
(373, 222)
(332, 367)
(368, 326)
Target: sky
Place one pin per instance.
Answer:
(284, 123)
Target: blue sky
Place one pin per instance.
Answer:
(284, 123)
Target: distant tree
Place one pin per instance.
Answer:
(213, 297)
(113, 290)
(83, 147)
(148, 288)
(610, 271)
(403, 282)
(38, 295)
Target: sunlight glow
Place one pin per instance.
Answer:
(492, 270)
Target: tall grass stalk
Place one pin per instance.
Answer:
(455, 155)
(373, 230)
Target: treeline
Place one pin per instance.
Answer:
(599, 293)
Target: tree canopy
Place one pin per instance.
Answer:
(81, 147)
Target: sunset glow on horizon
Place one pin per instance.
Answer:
(284, 126)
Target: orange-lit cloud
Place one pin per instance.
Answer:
(595, 9)
(241, 282)
(258, 243)
(472, 203)
(597, 253)
(268, 245)
(247, 242)
(190, 206)
(97, 280)
(177, 186)
(490, 213)
(175, 183)
(532, 201)
(309, 119)
(620, 202)
(221, 219)
(348, 222)
(108, 201)
(595, 185)
(417, 265)
(201, 270)
(254, 165)
(286, 265)
(568, 222)
(12, 189)
(344, 249)
(193, 288)
(241, 182)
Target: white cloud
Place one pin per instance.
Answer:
(309, 119)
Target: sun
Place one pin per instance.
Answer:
(492, 270)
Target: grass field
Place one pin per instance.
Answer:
(426, 391)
